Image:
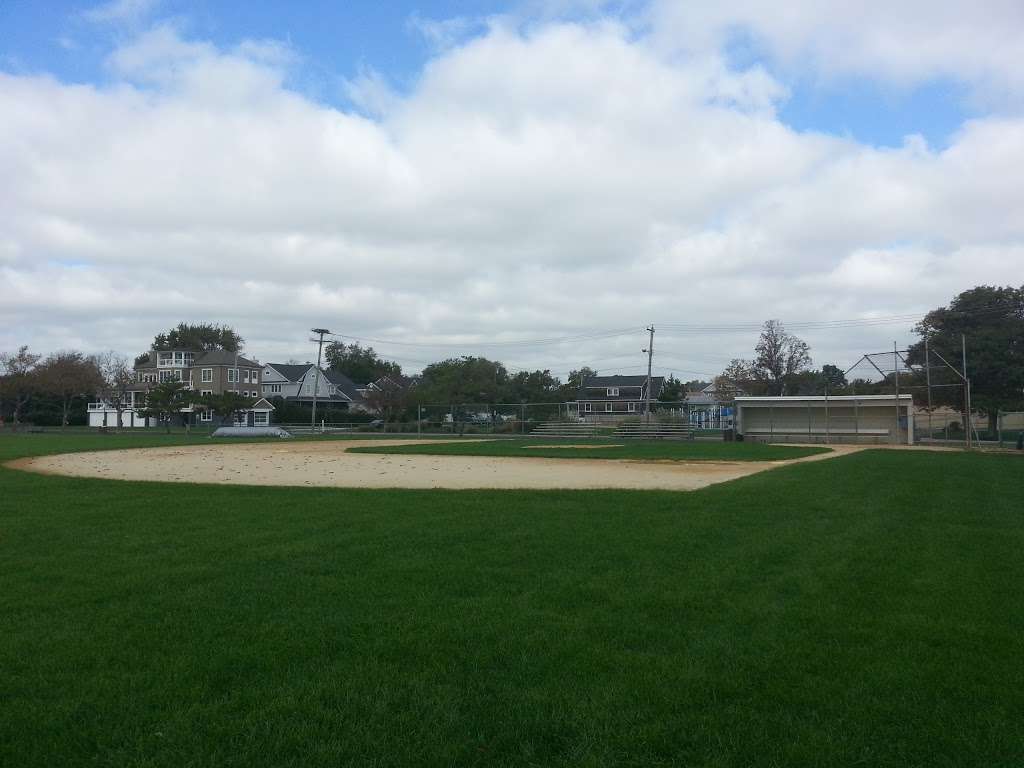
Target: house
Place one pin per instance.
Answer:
(212, 372)
(603, 397)
(297, 384)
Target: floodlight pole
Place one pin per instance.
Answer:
(316, 374)
(650, 361)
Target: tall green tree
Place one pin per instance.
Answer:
(991, 321)
(534, 387)
(672, 391)
(361, 364)
(833, 377)
(199, 337)
(464, 380)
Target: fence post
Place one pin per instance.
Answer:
(523, 419)
(419, 419)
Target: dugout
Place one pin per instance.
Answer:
(827, 419)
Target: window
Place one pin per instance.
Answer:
(271, 388)
(232, 375)
(245, 375)
(256, 376)
(260, 418)
(206, 415)
(588, 407)
(164, 359)
(166, 376)
(631, 407)
(207, 375)
(613, 391)
(608, 407)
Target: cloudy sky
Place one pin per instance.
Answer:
(534, 182)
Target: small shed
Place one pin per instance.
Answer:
(827, 419)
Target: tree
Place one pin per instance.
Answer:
(462, 380)
(672, 391)
(117, 377)
(387, 399)
(738, 377)
(534, 387)
(991, 320)
(780, 356)
(361, 364)
(574, 383)
(67, 375)
(199, 337)
(165, 401)
(19, 381)
(227, 406)
(833, 377)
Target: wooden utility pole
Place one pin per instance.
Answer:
(650, 361)
(316, 374)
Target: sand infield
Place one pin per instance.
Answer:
(330, 464)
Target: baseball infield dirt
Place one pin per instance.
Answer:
(329, 463)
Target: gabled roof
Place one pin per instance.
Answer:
(262, 405)
(343, 383)
(220, 357)
(290, 371)
(604, 382)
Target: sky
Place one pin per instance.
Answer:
(532, 182)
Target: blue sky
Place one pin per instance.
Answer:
(337, 40)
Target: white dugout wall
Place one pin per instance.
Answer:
(844, 419)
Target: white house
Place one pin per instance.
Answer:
(297, 383)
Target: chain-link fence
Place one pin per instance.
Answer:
(525, 418)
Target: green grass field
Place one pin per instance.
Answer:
(866, 610)
(679, 450)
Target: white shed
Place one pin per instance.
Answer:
(820, 418)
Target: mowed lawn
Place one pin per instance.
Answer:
(866, 610)
(679, 450)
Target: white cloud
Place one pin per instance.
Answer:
(907, 43)
(535, 182)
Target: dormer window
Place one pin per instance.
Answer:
(613, 391)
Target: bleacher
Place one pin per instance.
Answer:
(567, 429)
(655, 431)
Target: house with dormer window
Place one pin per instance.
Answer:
(603, 397)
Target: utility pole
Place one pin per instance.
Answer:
(928, 383)
(316, 374)
(650, 361)
(968, 425)
(896, 370)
